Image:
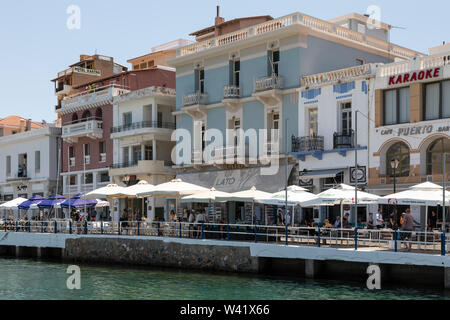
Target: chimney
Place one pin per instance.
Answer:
(22, 126)
(219, 19)
(28, 125)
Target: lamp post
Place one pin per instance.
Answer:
(394, 165)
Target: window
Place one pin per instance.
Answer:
(73, 180)
(14, 132)
(125, 155)
(127, 118)
(200, 80)
(313, 122)
(99, 114)
(276, 121)
(86, 116)
(71, 152)
(274, 63)
(396, 106)
(104, 177)
(88, 178)
(136, 67)
(37, 161)
(8, 166)
(399, 151)
(346, 118)
(435, 156)
(437, 100)
(74, 118)
(87, 149)
(102, 147)
(236, 73)
(136, 154)
(148, 153)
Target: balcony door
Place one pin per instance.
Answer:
(313, 122)
(346, 118)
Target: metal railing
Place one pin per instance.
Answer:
(343, 139)
(269, 83)
(302, 144)
(380, 240)
(231, 92)
(127, 164)
(143, 125)
(195, 98)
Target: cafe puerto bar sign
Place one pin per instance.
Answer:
(415, 76)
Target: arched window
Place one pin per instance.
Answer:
(86, 115)
(400, 152)
(74, 118)
(435, 155)
(99, 114)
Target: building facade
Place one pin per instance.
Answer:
(410, 123)
(87, 121)
(246, 78)
(29, 163)
(15, 124)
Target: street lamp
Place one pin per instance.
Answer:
(394, 165)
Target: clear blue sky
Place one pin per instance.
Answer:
(36, 44)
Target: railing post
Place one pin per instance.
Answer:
(101, 227)
(17, 226)
(318, 236)
(29, 226)
(356, 239)
(181, 235)
(228, 232)
(86, 228)
(287, 235)
(443, 244)
(119, 227)
(395, 241)
(56, 227)
(138, 228)
(42, 227)
(256, 234)
(70, 227)
(159, 229)
(203, 231)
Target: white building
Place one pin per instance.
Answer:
(29, 163)
(143, 127)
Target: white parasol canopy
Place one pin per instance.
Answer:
(175, 188)
(343, 194)
(110, 191)
(142, 187)
(425, 194)
(295, 196)
(245, 196)
(102, 204)
(13, 204)
(208, 196)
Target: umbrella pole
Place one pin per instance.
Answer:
(253, 212)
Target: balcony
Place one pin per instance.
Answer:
(231, 92)
(92, 129)
(102, 157)
(195, 99)
(72, 162)
(63, 90)
(294, 22)
(92, 98)
(144, 125)
(142, 167)
(304, 144)
(338, 75)
(418, 64)
(343, 140)
(269, 83)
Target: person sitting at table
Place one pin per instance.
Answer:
(371, 222)
(379, 222)
(337, 223)
(432, 221)
(327, 224)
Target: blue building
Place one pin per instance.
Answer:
(245, 74)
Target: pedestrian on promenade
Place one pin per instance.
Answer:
(379, 222)
(191, 221)
(199, 221)
(432, 221)
(407, 228)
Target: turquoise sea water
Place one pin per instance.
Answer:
(35, 280)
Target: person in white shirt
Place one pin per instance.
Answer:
(200, 220)
(379, 222)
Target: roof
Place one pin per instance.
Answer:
(157, 53)
(14, 121)
(362, 18)
(212, 28)
(125, 73)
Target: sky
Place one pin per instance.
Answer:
(36, 43)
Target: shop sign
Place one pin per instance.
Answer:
(415, 130)
(414, 76)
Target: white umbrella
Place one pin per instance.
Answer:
(246, 196)
(13, 204)
(102, 204)
(426, 194)
(110, 191)
(207, 196)
(142, 187)
(343, 194)
(175, 188)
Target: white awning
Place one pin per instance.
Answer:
(322, 174)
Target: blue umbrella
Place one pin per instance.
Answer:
(77, 203)
(27, 204)
(51, 202)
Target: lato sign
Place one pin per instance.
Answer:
(415, 76)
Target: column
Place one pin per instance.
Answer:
(155, 156)
(79, 182)
(151, 213)
(154, 112)
(143, 152)
(94, 180)
(130, 154)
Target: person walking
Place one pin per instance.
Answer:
(407, 228)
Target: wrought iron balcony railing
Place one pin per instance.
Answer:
(343, 139)
(303, 144)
